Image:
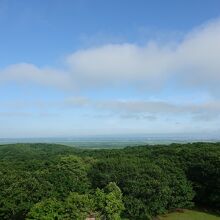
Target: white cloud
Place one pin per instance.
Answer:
(193, 62)
(119, 64)
(25, 73)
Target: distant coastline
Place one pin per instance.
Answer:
(113, 141)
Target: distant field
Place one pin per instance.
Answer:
(189, 215)
(110, 142)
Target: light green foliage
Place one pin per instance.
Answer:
(75, 206)
(68, 174)
(19, 192)
(49, 209)
(109, 201)
(78, 206)
(104, 204)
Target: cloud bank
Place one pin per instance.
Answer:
(193, 62)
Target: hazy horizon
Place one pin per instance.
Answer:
(113, 139)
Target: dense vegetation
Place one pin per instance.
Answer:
(46, 182)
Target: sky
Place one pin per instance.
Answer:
(106, 67)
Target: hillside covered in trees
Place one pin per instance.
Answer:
(46, 181)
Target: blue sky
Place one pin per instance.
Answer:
(88, 67)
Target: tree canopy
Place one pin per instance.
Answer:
(48, 181)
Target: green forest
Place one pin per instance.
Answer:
(57, 182)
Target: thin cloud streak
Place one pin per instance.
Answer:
(149, 109)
